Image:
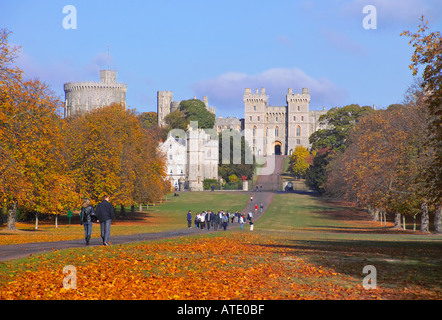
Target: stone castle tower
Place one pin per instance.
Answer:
(278, 130)
(82, 97)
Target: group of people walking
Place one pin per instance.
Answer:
(104, 213)
(218, 220)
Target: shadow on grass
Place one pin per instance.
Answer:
(398, 263)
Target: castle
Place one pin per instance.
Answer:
(269, 130)
(276, 130)
(191, 157)
(81, 97)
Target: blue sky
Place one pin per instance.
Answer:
(218, 48)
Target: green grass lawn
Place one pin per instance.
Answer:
(344, 238)
(289, 212)
(175, 209)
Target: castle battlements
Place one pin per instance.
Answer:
(85, 96)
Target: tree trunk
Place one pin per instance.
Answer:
(403, 222)
(56, 221)
(36, 221)
(12, 217)
(397, 220)
(438, 220)
(375, 214)
(425, 223)
(141, 207)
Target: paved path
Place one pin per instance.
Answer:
(269, 182)
(9, 252)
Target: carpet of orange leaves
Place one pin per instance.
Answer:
(234, 266)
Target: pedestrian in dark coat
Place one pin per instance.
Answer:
(87, 216)
(105, 213)
(189, 219)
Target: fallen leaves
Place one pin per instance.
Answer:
(230, 266)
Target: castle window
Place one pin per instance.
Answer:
(250, 118)
(294, 118)
(302, 118)
(298, 141)
(258, 118)
(170, 146)
(299, 108)
(170, 157)
(277, 132)
(254, 108)
(298, 131)
(276, 119)
(267, 132)
(254, 131)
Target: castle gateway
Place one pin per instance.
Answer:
(274, 130)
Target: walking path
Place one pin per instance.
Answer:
(14, 251)
(268, 181)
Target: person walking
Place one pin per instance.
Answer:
(261, 206)
(189, 219)
(86, 218)
(105, 213)
(250, 216)
(225, 221)
(208, 219)
(202, 220)
(241, 221)
(215, 221)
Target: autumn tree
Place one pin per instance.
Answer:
(428, 56)
(336, 125)
(110, 154)
(32, 168)
(299, 161)
(331, 140)
(148, 119)
(382, 167)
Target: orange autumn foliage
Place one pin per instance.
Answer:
(109, 153)
(32, 168)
